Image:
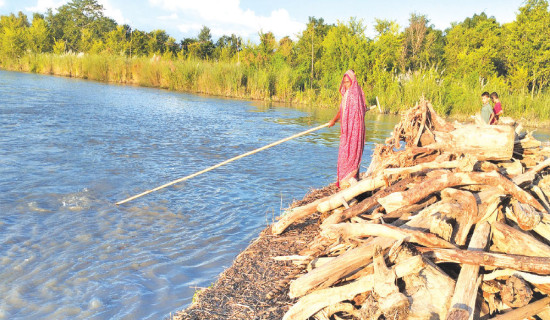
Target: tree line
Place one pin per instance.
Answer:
(476, 54)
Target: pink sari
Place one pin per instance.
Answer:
(352, 129)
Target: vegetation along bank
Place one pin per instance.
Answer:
(449, 67)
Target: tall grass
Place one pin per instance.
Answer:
(278, 82)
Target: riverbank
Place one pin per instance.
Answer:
(241, 291)
(450, 96)
(221, 79)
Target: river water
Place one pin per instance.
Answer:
(71, 148)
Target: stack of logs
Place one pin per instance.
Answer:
(450, 221)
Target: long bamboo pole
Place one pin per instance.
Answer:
(223, 163)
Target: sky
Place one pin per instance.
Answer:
(184, 18)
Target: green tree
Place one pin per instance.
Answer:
(73, 17)
(116, 42)
(267, 47)
(60, 46)
(387, 45)
(346, 47)
(206, 46)
(138, 43)
(422, 44)
(38, 36)
(528, 45)
(14, 35)
(188, 47)
(475, 46)
(268, 43)
(172, 47)
(227, 47)
(308, 51)
(157, 42)
(286, 45)
(86, 42)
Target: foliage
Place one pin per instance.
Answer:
(397, 66)
(345, 47)
(528, 42)
(474, 46)
(13, 36)
(71, 18)
(206, 46)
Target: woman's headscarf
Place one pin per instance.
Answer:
(356, 95)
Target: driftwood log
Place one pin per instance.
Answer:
(497, 142)
(424, 189)
(513, 241)
(464, 297)
(360, 230)
(526, 311)
(539, 265)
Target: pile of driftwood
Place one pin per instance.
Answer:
(449, 222)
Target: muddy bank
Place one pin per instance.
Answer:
(241, 291)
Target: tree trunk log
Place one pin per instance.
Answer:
(400, 199)
(513, 241)
(294, 215)
(542, 283)
(526, 217)
(542, 197)
(539, 265)
(543, 228)
(365, 185)
(329, 273)
(512, 168)
(464, 297)
(393, 304)
(352, 230)
(430, 290)
(497, 142)
(516, 293)
(529, 176)
(439, 123)
(525, 312)
(532, 278)
(406, 211)
(368, 203)
(464, 209)
(545, 313)
(466, 164)
(487, 204)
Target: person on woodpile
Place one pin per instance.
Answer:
(486, 111)
(497, 108)
(352, 130)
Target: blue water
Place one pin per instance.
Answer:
(70, 148)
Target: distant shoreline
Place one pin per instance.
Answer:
(216, 79)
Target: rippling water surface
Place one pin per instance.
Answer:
(69, 149)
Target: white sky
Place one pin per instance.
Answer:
(184, 18)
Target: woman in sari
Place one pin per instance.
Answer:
(352, 130)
